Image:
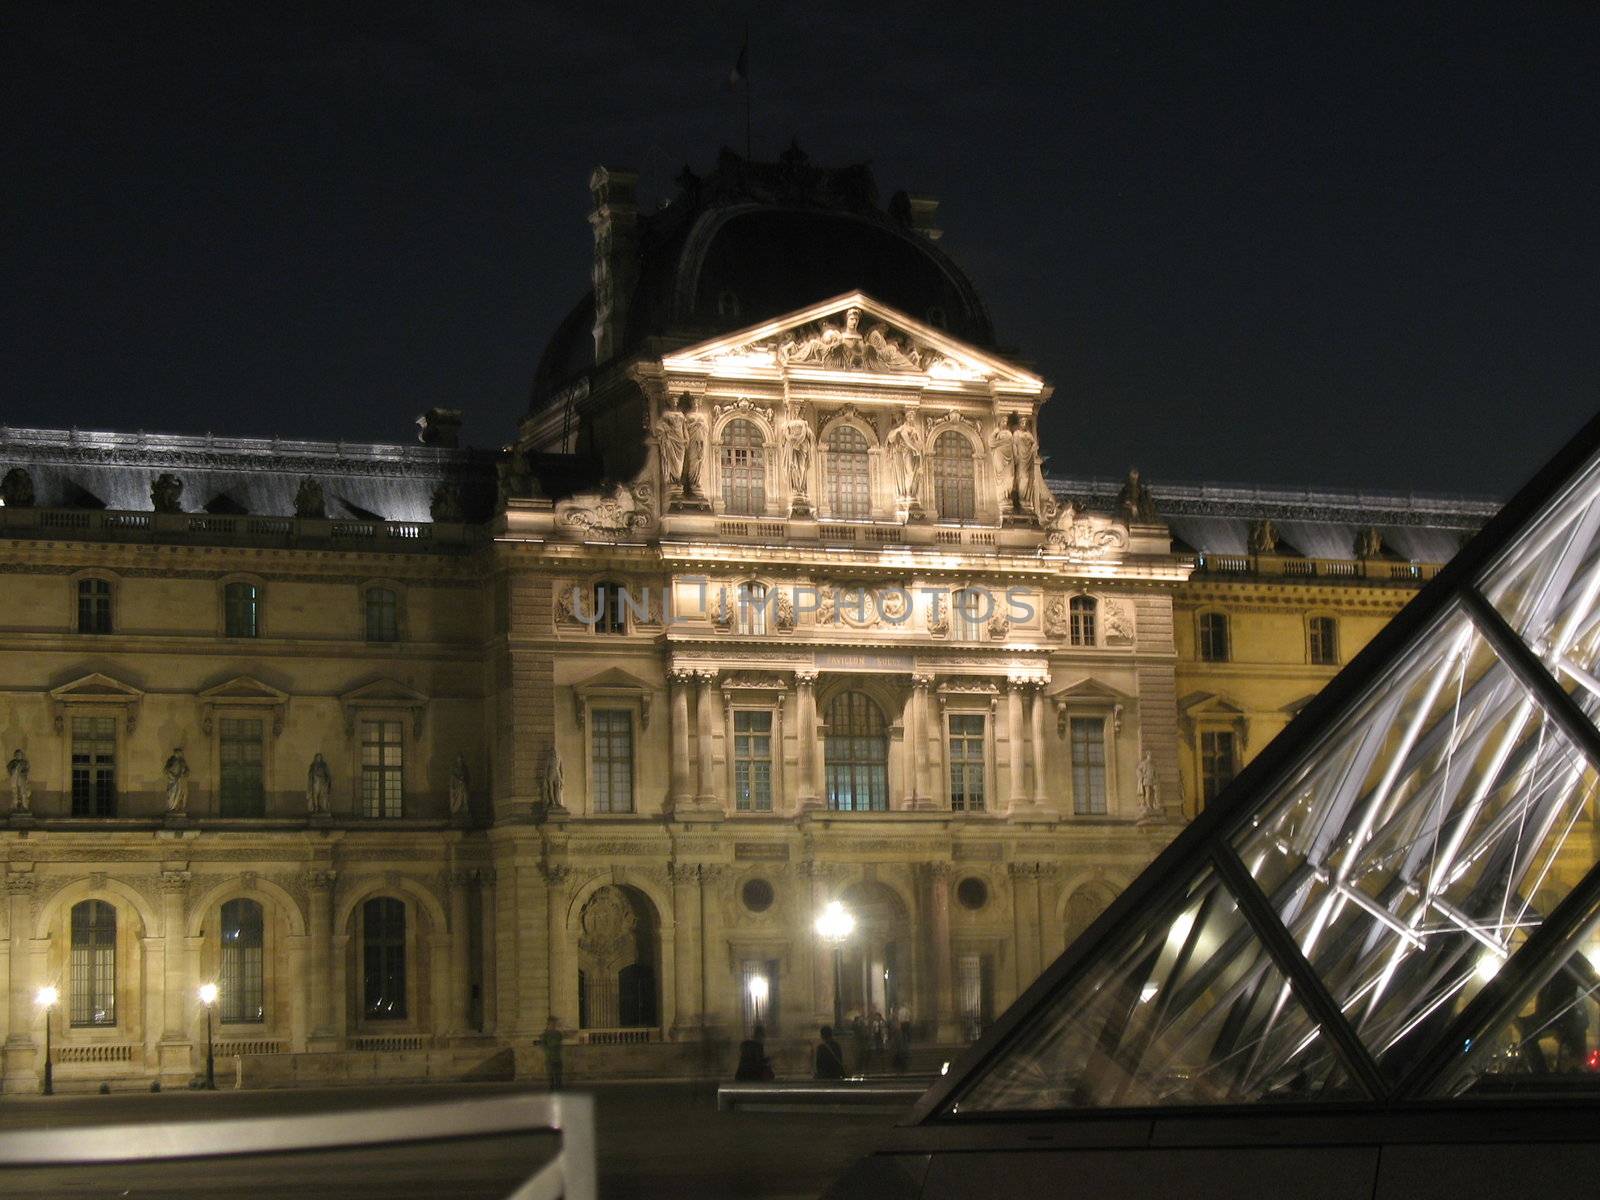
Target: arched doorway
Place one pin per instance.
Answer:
(875, 971)
(1087, 902)
(617, 960)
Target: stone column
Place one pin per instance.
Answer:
(488, 962)
(686, 950)
(1037, 698)
(1025, 922)
(807, 794)
(319, 976)
(919, 771)
(822, 960)
(945, 1025)
(22, 1061)
(561, 988)
(460, 961)
(1016, 776)
(713, 953)
(178, 984)
(682, 785)
(706, 718)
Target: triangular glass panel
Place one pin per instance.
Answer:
(1188, 1009)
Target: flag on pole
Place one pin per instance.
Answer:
(741, 68)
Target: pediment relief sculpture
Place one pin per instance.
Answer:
(847, 344)
(626, 510)
(1084, 535)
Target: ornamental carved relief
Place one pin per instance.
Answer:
(627, 510)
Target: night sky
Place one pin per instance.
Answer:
(1311, 244)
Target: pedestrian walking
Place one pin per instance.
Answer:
(829, 1058)
(900, 1048)
(553, 1042)
(754, 1065)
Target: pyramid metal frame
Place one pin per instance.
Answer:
(1454, 604)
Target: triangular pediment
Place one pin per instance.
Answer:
(1208, 703)
(97, 688)
(1090, 691)
(616, 677)
(855, 335)
(381, 692)
(244, 688)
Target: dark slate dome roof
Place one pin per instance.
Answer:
(752, 241)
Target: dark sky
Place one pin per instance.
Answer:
(1310, 244)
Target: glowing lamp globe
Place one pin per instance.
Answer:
(48, 996)
(835, 923)
(208, 994)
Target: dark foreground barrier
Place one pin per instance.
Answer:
(883, 1095)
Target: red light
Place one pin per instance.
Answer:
(1594, 1060)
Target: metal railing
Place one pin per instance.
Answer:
(1278, 566)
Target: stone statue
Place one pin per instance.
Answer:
(681, 435)
(1003, 458)
(319, 782)
(783, 616)
(513, 476)
(1028, 469)
(459, 782)
(799, 444)
(1150, 807)
(177, 773)
(1369, 543)
(309, 504)
(17, 773)
(553, 781)
(672, 441)
(1134, 502)
(1263, 538)
(446, 503)
(16, 489)
(166, 493)
(907, 443)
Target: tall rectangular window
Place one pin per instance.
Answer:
(1214, 640)
(612, 742)
(383, 615)
(94, 964)
(609, 614)
(241, 610)
(966, 762)
(1218, 762)
(94, 766)
(974, 994)
(1082, 610)
(381, 763)
(94, 606)
(1088, 765)
(241, 792)
(240, 982)
(752, 761)
(970, 610)
(758, 979)
(383, 959)
(1323, 633)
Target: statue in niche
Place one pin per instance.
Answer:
(1003, 459)
(1057, 621)
(176, 772)
(1118, 619)
(907, 444)
(1369, 543)
(553, 781)
(166, 493)
(799, 445)
(783, 615)
(446, 503)
(827, 606)
(1150, 807)
(1134, 502)
(319, 782)
(17, 773)
(460, 781)
(681, 436)
(1028, 469)
(309, 504)
(1263, 538)
(16, 489)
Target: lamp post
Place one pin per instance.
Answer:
(835, 925)
(47, 997)
(208, 997)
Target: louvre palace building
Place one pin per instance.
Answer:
(769, 602)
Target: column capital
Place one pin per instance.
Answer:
(175, 881)
(804, 678)
(682, 676)
(321, 880)
(21, 885)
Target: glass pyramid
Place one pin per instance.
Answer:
(1398, 900)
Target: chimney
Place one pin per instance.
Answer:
(440, 427)
(923, 212)
(616, 254)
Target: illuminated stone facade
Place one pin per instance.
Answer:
(603, 751)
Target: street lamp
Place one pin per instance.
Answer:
(759, 990)
(47, 998)
(835, 925)
(208, 997)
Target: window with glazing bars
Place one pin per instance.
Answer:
(856, 754)
(94, 964)
(1323, 633)
(240, 980)
(611, 745)
(94, 606)
(609, 616)
(94, 766)
(383, 615)
(970, 610)
(381, 765)
(1214, 640)
(954, 480)
(241, 610)
(1218, 765)
(849, 482)
(1088, 765)
(744, 471)
(1081, 614)
(752, 760)
(383, 959)
(241, 793)
(753, 608)
(966, 762)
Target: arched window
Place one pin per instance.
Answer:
(241, 610)
(1215, 642)
(617, 958)
(753, 608)
(954, 487)
(744, 470)
(608, 614)
(849, 488)
(857, 755)
(240, 979)
(383, 959)
(94, 964)
(1082, 611)
(383, 615)
(94, 606)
